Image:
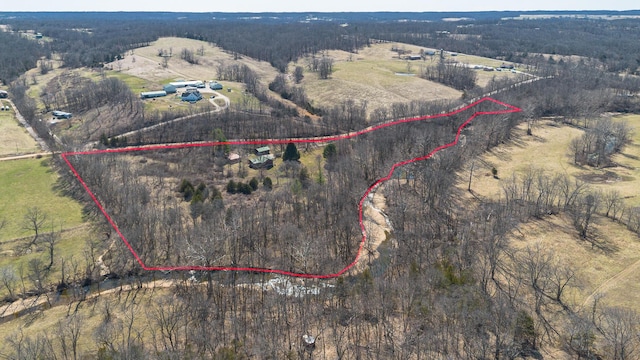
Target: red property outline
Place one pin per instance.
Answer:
(509, 109)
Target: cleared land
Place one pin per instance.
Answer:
(548, 149)
(607, 269)
(14, 140)
(31, 183)
(146, 64)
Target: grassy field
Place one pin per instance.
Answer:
(593, 266)
(374, 75)
(14, 139)
(548, 150)
(31, 183)
(146, 64)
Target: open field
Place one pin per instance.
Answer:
(593, 265)
(548, 150)
(371, 75)
(376, 74)
(14, 140)
(31, 183)
(146, 64)
(602, 268)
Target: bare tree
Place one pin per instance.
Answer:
(69, 335)
(620, 330)
(34, 219)
(9, 279)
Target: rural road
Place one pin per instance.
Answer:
(611, 282)
(43, 145)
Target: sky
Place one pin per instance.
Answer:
(312, 5)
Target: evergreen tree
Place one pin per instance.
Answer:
(291, 153)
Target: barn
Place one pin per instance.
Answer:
(152, 94)
(170, 89)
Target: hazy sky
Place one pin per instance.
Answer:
(311, 5)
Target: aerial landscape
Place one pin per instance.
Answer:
(346, 181)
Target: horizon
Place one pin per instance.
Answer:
(327, 6)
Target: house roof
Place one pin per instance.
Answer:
(263, 149)
(233, 156)
(262, 159)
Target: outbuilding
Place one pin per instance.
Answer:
(152, 94)
(214, 85)
(4, 94)
(170, 89)
(264, 150)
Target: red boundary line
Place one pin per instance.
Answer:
(510, 109)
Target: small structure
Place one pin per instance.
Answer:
(61, 114)
(507, 66)
(309, 342)
(262, 162)
(192, 83)
(414, 57)
(264, 150)
(152, 94)
(170, 89)
(233, 158)
(38, 35)
(214, 85)
(191, 95)
(4, 94)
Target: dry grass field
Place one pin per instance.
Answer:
(548, 150)
(609, 270)
(14, 139)
(146, 64)
(377, 75)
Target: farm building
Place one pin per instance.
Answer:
(4, 94)
(214, 85)
(192, 83)
(152, 94)
(262, 162)
(191, 95)
(264, 150)
(170, 89)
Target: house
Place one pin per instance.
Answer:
(191, 95)
(152, 94)
(4, 94)
(214, 85)
(264, 150)
(170, 89)
(262, 162)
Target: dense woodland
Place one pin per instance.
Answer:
(446, 284)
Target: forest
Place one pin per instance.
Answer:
(445, 282)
